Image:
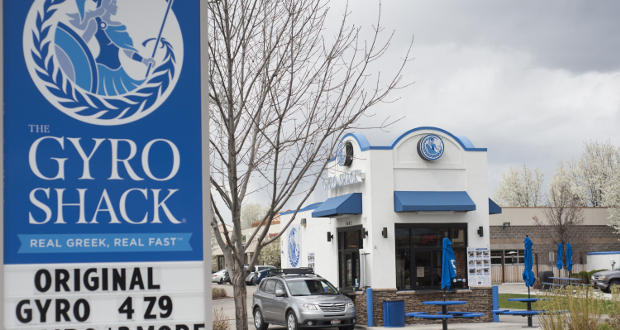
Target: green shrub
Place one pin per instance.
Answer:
(585, 310)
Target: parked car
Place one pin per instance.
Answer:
(606, 279)
(218, 277)
(298, 298)
(226, 278)
(261, 275)
(249, 280)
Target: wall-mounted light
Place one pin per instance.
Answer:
(329, 236)
(303, 222)
(505, 224)
(384, 232)
(481, 231)
(365, 233)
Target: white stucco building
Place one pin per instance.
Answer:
(389, 209)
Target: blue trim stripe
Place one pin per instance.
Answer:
(415, 201)
(600, 253)
(364, 145)
(345, 204)
(307, 208)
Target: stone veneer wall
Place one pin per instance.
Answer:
(479, 299)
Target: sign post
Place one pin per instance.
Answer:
(105, 150)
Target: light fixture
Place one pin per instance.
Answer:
(303, 222)
(384, 232)
(505, 224)
(480, 231)
(329, 236)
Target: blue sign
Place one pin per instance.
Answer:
(430, 147)
(102, 131)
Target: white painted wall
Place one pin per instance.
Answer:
(386, 171)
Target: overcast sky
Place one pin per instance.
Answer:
(529, 80)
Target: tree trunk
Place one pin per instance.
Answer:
(240, 295)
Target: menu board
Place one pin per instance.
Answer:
(478, 266)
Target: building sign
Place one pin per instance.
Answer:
(344, 153)
(311, 260)
(479, 266)
(430, 147)
(342, 179)
(294, 246)
(103, 188)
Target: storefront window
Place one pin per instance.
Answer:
(418, 264)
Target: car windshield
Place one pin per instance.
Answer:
(311, 287)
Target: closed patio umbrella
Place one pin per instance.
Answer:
(448, 266)
(559, 263)
(528, 275)
(569, 257)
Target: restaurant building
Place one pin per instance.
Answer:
(388, 210)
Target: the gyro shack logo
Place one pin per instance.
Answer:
(103, 62)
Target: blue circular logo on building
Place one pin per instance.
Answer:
(293, 247)
(430, 147)
(99, 62)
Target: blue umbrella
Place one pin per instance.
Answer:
(560, 264)
(569, 257)
(448, 266)
(528, 275)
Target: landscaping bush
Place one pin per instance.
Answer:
(218, 293)
(220, 320)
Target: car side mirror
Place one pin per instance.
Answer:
(279, 293)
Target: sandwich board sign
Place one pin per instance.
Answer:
(103, 189)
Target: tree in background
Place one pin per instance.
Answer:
(593, 171)
(281, 96)
(520, 188)
(271, 254)
(564, 216)
(612, 201)
(252, 212)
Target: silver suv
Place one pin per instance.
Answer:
(297, 298)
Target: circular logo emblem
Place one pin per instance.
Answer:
(99, 62)
(430, 147)
(293, 247)
(344, 154)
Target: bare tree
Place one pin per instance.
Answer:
(281, 95)
(564, 216)
(520, 188)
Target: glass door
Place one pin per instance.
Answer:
(349, 244)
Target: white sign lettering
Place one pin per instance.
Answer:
(342, 179)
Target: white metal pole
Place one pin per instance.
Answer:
(206, 185)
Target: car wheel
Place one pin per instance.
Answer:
(612, 283)
(347, 327)
(259, 323)
(221, 281)
(291, 321)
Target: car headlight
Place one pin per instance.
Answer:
(308, 306)
(602, 278)
(592, 277)
(350, 304)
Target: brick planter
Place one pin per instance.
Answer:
(479, 299)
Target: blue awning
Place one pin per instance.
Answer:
(415, 201)
(345, 204)
(494, 208)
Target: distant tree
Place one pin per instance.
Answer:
(252, 212)
(271, 254)
(564, 216)
(611, 199)
(520, 188)
(593, 171)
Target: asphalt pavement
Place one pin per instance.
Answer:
(507, 322)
